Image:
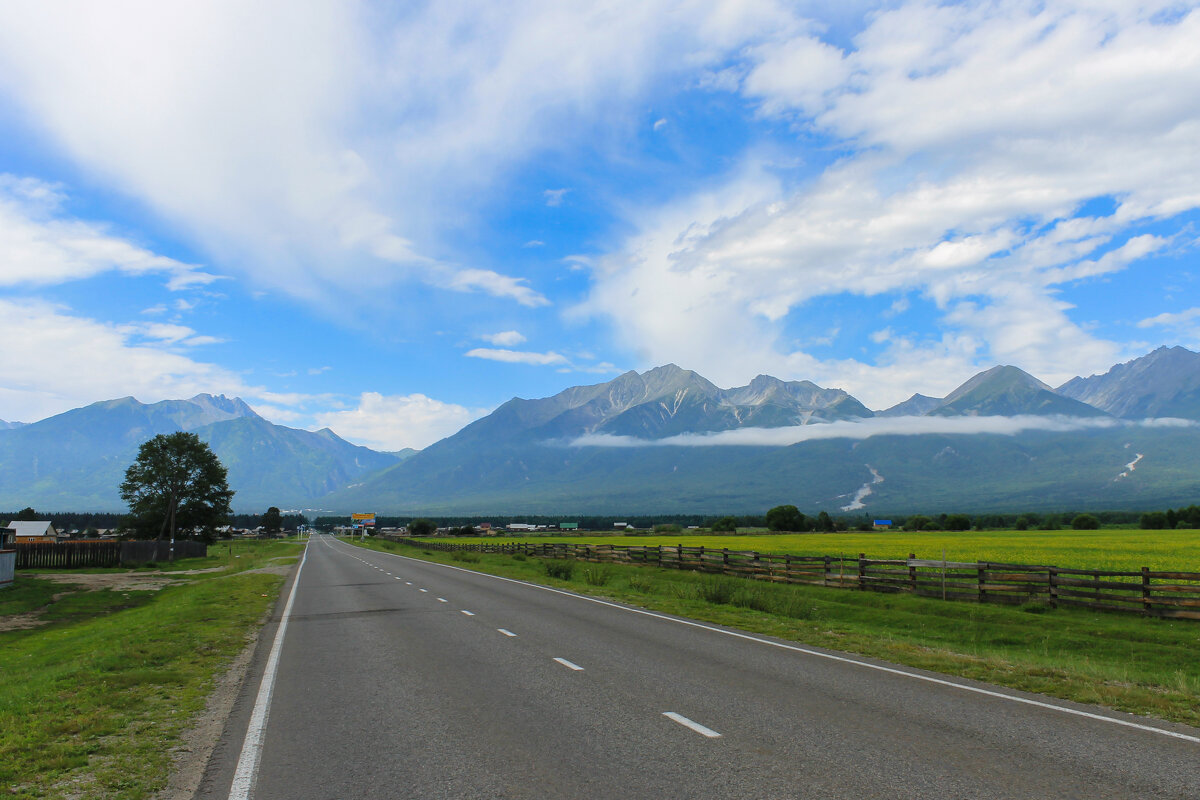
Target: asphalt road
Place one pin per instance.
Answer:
(398, 678)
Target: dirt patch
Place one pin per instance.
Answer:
(30, 619)
(117, 581)
(274, 569)
(20, 622)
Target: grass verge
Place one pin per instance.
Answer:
(94, 701)
(1143, 666)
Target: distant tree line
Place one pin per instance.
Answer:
(588, 522)
(1171, 518)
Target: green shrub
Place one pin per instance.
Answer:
(672, 528)
(596, 575)
(1085, 522)
(519, 557)
(718, 591)
(640, 583)
(563, 570)
(465, 556)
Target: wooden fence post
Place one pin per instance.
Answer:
(826, 574)
(982, 580)
(862, 570)
(912, 574)
(1146, 590)
(1052, 586)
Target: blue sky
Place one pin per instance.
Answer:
(389, 218)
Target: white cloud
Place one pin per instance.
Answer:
(659, 124)
(975, 134)
(504, 338)
(517, 356)
(39, 245)
(1170, 319)
(867, 428)
(393, 422)
(53, 361)
(554, 197)
(534, 243)
(305, 141)
(492, 283)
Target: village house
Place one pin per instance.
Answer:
(30, 531)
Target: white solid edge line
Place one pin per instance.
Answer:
(569, 665)
(247, 767)
(468, 613)
(830, 656)
(696, 726)
(506, 632)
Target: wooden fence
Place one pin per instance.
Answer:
(102, 553)
(1156, 594)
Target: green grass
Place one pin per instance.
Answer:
(1103, 549)
(27, 594)
(1143, 666)
(94, 701)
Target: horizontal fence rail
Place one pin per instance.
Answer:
(106, 553)
(1146, 592)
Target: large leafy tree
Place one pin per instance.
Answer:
(176, 483)
(272, 521)
(786, 518)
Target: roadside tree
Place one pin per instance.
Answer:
(176, 483)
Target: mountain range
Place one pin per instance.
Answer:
(76, 460)
(669, 440)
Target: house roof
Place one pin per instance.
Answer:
(30, 528)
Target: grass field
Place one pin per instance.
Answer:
(94, 700)
(1144, 666)
(1103, 549)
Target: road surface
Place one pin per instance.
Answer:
(398, 678)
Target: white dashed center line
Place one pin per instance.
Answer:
(442, 600)
(506, 632)
(469, 613)
(424, 590)
(569, 665)
(696, 726)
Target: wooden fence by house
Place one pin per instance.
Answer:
(102, 553)
(1146, 592)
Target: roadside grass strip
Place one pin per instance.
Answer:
(95, 700)
(1128, 663)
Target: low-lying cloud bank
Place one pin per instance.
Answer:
(877, 426)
